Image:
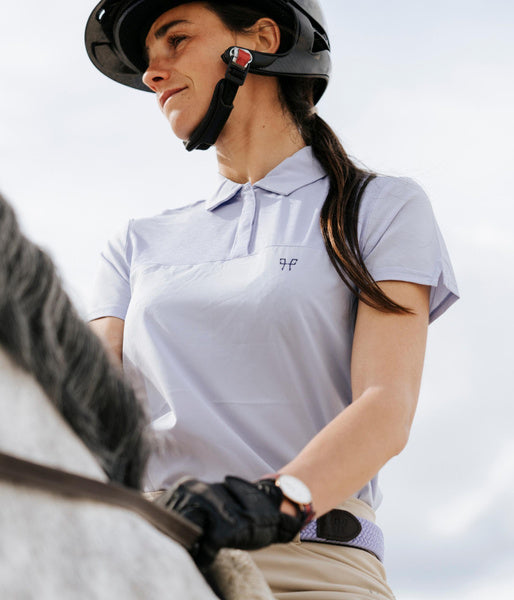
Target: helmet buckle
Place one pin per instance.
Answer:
(238, 61)
(241, 56)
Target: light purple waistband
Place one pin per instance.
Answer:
(370, 537)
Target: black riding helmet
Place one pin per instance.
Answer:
(115, 40)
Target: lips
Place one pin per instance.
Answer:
(167, 94)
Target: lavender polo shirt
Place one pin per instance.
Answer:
(238, 331)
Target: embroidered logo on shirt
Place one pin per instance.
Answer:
(290, 264)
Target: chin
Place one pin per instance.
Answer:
(182, 127)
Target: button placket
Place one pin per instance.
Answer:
(245, 225)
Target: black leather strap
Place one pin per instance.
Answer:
(207, 132)
(23, 472)
(222, 103)
(338, 525)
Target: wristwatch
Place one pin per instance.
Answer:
(298, 494)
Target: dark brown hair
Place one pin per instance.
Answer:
(340, 212)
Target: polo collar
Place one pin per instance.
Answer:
(295, 172)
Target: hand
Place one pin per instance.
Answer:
(232, 514)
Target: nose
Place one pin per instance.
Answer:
(155, 74)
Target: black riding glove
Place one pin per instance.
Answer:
(232, 514)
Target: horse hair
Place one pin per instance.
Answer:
(43, 334)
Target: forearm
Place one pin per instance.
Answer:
(351, 449)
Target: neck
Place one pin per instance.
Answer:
(256, 140)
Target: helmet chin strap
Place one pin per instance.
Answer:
(222, 103)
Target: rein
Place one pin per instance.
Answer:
(27, 473)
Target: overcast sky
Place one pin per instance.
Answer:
(420, 88)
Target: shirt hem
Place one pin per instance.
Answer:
(109, 311)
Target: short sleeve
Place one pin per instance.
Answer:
(400, 240)
(110, 296)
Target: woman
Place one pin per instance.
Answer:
(277, 329)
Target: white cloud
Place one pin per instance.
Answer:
(498, 586)
(455, 515)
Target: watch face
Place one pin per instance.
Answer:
(294, 489)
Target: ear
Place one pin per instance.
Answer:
(264, 36)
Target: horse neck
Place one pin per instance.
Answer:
(31, 427)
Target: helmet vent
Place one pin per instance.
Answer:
(320, 43)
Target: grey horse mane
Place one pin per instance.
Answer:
(43, 334)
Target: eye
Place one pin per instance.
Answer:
(175, 40)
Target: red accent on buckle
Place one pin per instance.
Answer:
(242, 57)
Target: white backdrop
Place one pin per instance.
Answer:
(424, 89)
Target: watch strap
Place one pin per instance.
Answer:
(305, 511)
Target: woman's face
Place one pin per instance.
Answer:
(184, 47)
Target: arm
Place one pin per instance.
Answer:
(387, 362)
(110, 332)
